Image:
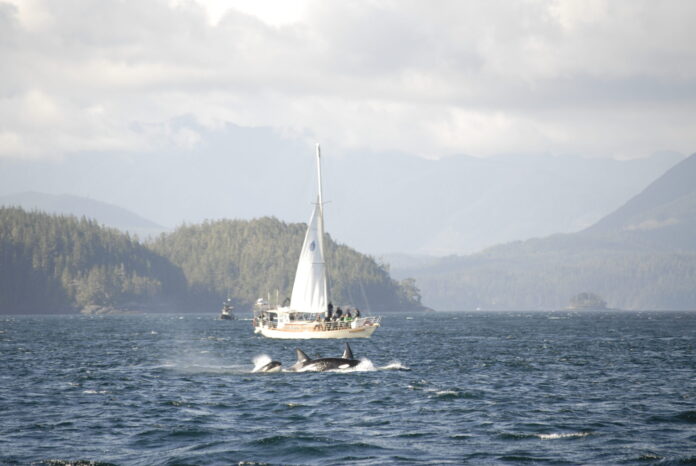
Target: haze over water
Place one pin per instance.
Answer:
(486, 387)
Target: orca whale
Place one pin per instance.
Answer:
(273, 366)
(305, 363)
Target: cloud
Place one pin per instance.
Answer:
(599, 77)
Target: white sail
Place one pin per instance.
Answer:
(309, 292)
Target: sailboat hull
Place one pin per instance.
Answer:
(303, 334)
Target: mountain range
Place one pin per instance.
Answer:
(663, 216)
(104, 213)
(641, 256)
(380, 202)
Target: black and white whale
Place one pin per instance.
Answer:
(273, 366)
(305, 363)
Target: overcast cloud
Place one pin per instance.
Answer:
(592, 77)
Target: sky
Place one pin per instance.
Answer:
(591, 78)
(458, 123)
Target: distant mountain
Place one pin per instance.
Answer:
(662, 216)
(463, 204)
(381, 202)
(104, 213)
(642, 256)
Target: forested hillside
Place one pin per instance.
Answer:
(642, 256)
(257, 258)
(535, 275)
(53, 264)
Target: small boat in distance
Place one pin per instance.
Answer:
(309, 313)
(226, 312)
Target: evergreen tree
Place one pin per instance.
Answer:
(52, 264)
(246, 260)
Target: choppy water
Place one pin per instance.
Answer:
(538, 387)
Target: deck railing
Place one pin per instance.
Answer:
(321, 325)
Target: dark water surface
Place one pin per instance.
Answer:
(503, 387)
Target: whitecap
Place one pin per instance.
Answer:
(447, 393)
(395, 366)
(562, 435)
(365, 365)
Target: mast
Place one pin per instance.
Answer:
(320, 225)
(310, 289)
(321, 201)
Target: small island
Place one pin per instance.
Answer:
(587, 301)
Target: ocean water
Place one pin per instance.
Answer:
(441, 388)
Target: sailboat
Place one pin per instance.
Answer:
(309, 313)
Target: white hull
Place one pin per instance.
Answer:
(304, 334)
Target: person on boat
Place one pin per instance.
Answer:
(339, 314)
(357, 313)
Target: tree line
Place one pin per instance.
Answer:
(58, 263)
(252, 259)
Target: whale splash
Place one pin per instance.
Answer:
(346, 363)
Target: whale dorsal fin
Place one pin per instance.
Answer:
(301, 356)
(347, 353)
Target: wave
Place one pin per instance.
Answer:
(395, 366)
(202, 368)
(688, 417)
(562, 435)
(551, 436)
(57, 462)
(365, 365)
